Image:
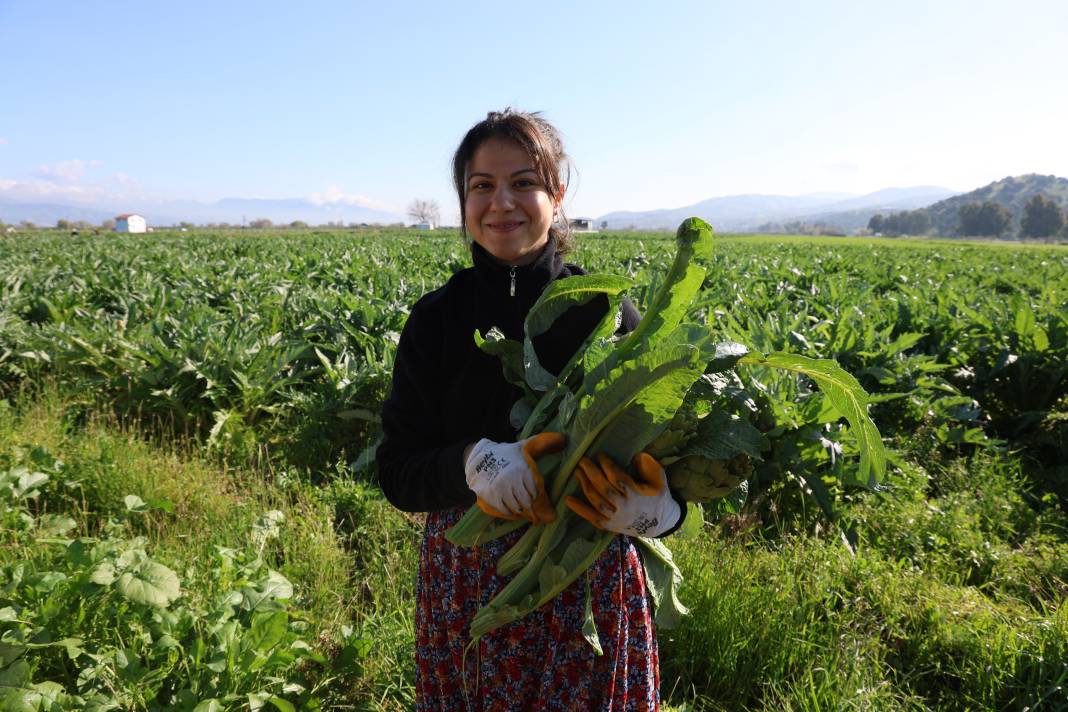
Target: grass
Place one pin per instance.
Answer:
(349, 555)
(952, 601)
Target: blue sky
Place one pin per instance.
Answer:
(661, 104)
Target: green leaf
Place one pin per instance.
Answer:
(589, 625)
(509, 351)
(162, 504)
(15, 675)
(663, 577)
(653, 380)
(558, 297)
(257, 700)
(281, 704)
(104, 574)
(268, 526)
(694, 523)
(150, 584)
(54, 525)
(267, 631)
(274, 587)
(721, 436)
(29, 484)
(676, 295)
(209, 705)
(848, 398)
(135, 504)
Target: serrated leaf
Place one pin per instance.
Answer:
(848, 398)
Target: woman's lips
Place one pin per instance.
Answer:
(503, 226)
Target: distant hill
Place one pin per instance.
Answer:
(751, 212)
(1011, 192)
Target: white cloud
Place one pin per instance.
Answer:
(66, 171)
(68, 189)
(334, 196)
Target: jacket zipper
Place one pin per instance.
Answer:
(511, 273)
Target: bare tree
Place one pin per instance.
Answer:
(424, 211)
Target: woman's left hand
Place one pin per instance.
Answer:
(616, 502)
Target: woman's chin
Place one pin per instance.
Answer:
(511, 255)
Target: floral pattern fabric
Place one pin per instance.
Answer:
(541, 662)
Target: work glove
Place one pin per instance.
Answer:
(505, 477)
(616, 502)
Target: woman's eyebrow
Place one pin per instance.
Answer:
(487, 175)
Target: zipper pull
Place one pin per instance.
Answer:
(511, 291)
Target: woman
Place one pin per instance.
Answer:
(449, 444)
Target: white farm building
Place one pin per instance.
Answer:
(130, 222)
(583, 225)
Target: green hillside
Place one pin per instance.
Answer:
(1012, 192)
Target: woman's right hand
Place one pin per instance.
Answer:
(505, 477)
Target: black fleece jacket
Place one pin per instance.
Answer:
(447, 394)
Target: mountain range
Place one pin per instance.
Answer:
(756, 212)
(735, 213)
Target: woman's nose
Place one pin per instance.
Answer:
(502, 198)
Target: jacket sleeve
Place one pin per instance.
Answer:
(416, 471)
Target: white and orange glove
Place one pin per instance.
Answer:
(616, 502)
(505, 477)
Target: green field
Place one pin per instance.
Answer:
(189, 520)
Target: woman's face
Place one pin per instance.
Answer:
(508, 207)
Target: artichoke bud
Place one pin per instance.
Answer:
(697, 479)
(681, 429)
(740, 465)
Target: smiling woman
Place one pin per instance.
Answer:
(507, 207)
(449, 443)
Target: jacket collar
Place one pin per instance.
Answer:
(530, 280)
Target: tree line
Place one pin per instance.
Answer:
(1042, 218)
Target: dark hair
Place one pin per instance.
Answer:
(540, 140)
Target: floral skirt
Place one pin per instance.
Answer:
(540, 662)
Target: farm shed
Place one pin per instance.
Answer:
(582, 225)
(424, 226)
(130, 222)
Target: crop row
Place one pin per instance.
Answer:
(280, 346)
